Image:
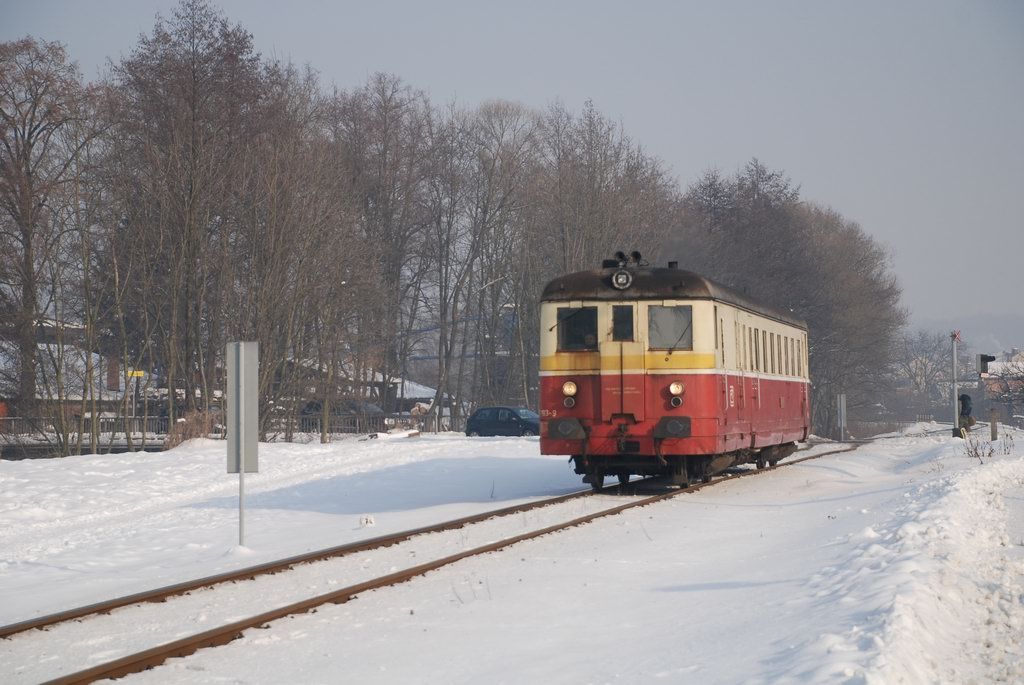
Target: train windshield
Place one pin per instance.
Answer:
(670, 328)
(577, 329)
(622, 322)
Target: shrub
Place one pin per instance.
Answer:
(195, 424)
(976, 448)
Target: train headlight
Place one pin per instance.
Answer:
(622, 279)
(569, 389)
(676, 388)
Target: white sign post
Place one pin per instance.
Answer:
(242, 403)
(954, 338)
(841, 415)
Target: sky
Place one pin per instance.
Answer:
(906, 117)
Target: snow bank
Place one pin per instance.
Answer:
(936, 589)
(957, 612)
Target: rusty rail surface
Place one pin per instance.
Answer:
(155, 656)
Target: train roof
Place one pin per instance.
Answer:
(651, 283)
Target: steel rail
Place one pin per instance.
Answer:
(162, 593)
(271, 567)
(155, 656)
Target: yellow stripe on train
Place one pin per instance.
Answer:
(591, 361)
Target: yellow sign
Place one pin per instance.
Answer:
(134, 373)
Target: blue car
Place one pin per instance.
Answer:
(503, 421)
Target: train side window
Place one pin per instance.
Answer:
(721, 333)
(670, 328)
(739, 345)
(753, 350)
(785, 354)
(757, 350)
(577, 329)
(764, 351)
(744, 336)
(771, 349)
(622, 322)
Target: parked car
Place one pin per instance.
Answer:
(503, 421)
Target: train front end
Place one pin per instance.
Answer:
(626, 372)
(641, 372)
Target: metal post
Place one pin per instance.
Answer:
(237, 399)
(954, 336)
(241, 507)
(243, 418)
(993, 422)
(841, 415)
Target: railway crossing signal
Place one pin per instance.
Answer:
(983, 360)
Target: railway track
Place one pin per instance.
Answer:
(298, 584)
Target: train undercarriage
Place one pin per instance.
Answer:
(682, 470)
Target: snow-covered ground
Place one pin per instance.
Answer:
(900, 562)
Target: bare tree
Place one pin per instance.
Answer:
(505, 153)
(187, 94)
(284, 243)
(40, 98)
(380, 131)
(451, 244)
(922, 370)
(753, 232)
(68, 370)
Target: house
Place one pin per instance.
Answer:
(1003, 387)
(71, 378)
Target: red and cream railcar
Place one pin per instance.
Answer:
(661, 371)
